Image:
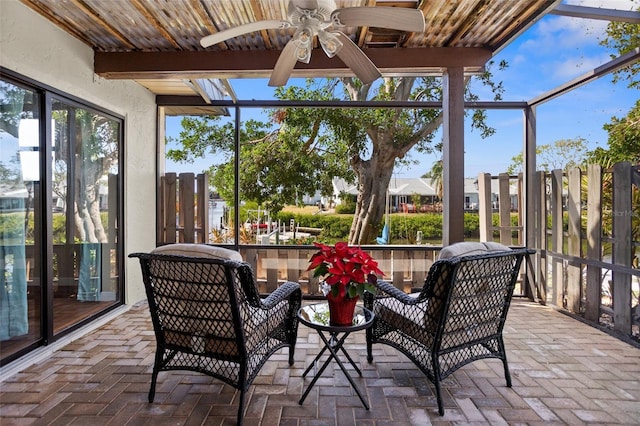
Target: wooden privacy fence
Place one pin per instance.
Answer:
(183, 209)
(587, 227)
(507, 203)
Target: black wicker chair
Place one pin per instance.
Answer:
(208, 316)
(457, 317)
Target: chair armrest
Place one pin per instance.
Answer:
(283, 292)
(388, 289)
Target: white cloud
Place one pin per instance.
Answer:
(572, 67)
(518, 59)
(560, 32)
(559, 48)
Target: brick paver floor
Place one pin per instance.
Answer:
(563, 371)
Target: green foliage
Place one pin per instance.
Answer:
(59, 229)
(405, 228)
(416, 199)
(513, 221)
(623, 37)
(402, 228)
(472, 225)
(623, 142)
(12, 228)
(348, 206)
(278, 165)
(13, 222)
(562, 154)
(436, 174)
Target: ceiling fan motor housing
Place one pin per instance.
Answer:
(298, 14)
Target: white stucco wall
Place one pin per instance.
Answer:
(35, 48)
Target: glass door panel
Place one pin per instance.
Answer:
(20, 291)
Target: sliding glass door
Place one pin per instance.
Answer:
(60, 210)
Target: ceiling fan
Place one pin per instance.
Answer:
(323, 19)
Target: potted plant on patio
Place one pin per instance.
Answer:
(349, 271)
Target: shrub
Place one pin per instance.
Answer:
(12, 228)
(402, 227)
(346, 207)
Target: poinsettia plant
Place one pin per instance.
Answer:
(348, 270)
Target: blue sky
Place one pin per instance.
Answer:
(555, 50)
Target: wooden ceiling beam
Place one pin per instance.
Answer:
(238, 64)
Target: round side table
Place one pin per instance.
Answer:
(316, 317)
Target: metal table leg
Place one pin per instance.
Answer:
(333, 345)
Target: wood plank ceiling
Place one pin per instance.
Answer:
(157, 42)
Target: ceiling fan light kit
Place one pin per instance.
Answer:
(302, 39)
(330, 43)
(313, 18)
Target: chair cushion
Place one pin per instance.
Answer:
(199, 250)
(469, 248)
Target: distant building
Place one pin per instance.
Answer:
(403, 192)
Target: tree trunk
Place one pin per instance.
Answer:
(375, 173)
(374, 176)
(87, 205)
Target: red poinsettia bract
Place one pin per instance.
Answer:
(349, 270)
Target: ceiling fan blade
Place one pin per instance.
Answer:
(285, 64)
(395, 18)
(221, 36)
(356, 59)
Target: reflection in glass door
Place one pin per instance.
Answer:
(85, 187)
(20, 292)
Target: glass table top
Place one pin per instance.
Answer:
(317, 316)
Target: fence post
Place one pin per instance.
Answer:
(541, 236)
(504, 203)
(594, 241)
(484, 207)
(574, 207)
(187, 208)
(521, 206)
(557, 292)
(168, 183)
(202, 211)
(622, 214)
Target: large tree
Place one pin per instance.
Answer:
(310, 146)
(371, 140)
